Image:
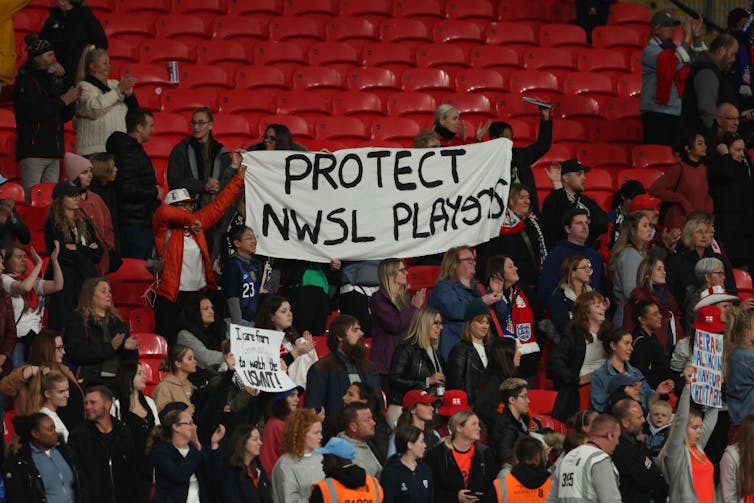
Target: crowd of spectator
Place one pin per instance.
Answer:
(420, 395)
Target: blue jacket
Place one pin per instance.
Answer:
(327, 382)
(740, 384)
(548, 279)
(173, 472)
(401, 485)
(450, 298)
(601, 380)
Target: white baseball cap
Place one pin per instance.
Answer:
(176, 196)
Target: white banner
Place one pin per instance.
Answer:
(374, 203)
(257, 353)
(707, 359)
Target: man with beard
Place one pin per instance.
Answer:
(329, 378)
(640, 478)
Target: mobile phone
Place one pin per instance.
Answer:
(478, 494)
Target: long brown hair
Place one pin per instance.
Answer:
(466, 334)
(736, 334)
(745, 438)
(569, 265)
(645, 272)
(449, 264)
(237, 449)
(627, 238)
(86, 300)
(296, 426)
(57, 215)
(581, 308)
(386, 277)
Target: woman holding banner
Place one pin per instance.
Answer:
(451, 129)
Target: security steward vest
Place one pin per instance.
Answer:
(518, 493)
(335, 492)
(574, 475)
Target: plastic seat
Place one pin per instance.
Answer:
(653, 156)
(742, 279)
(27, 21)
(284, 55)
(535, 83)
(184, 99)
(407, 31)
(473, 107)
(541, 401)
(232, 130)
(617, 37)
(628, 85)
(314, 78)
(581, 108)
(422, 276)
(569, 132)
(354, 31)
(516, 10)
(511, 105)
(359, 104)
(628, 13)
(121, 53)
(261, 77)
(7, 120)
(465, 34)
(568, 36)
(334, 54)
(372, 10)
(132, 271)
(593, 85)
(227, 54)
(299, 29)
(128, 27)
(159, 147)
(557, 153)
(394, 56)
(433, 81)
(626, 133)
(602, 60)
(645, 176)
(151, 344)
(396, 129)
(185, 27)
(313, 9)
(205, 76)
(303, 104)
(478, 11)
(555, 60)
(602, 155)
(8, 431)
(299, 127)
(340, 128)
(380, 81)
(622, 108)
(416, 105)
(12, 190)
(246, 30)
(152, 81)
(443, 56)
(252, 104)
(205, 7)
(426, 10)
(516, 36)
(41, 194)
(499, 59)
(165, 50)
(599, 179)
(258, 9)
(133, 6)
(478, 80)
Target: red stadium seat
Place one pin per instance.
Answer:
(584, 109)
(128, 27)
(447, 57)
(618, 38)
(284, 55)
(299, 127)
(557, 61)
(557, 153)
(516, 10)
(433, 81)
(132, 271)
(599, 179)
(394, 56)
(252, 104)
(155, 51)
(151, 345)
(373, 10)
(426, 10)
(516, 36)
(159, 147)
(568, 36)
(7, 119)
(360, 104)
(653, 156)
(590, 84)
(303, 104)
(534, 83)
(8, 431)
(478, 11)
(343, 128)
(205, 76)
(169, 123)
(510, 105)
(41, 194)
(227, 54)
(416, 105)
(480, 80)
(634, 61)
(185, 27)
(142, 6)
(628, 85)
(407, 31)
(354, 31)
(294, 28)
(261, 77)
(186, 100)
(380, 81)
(121, 53)
(141, 320)
(27, 21)
(541, 401)
(603, 198)
(499, 59)
(602, 60)
(313, 9)
(205, 7)
(622, 108)
(232, 130)
(603, 155)
(12, 190)
(562, 11)
(465, 34)
(626, 133)
(645, 176)
(314, 78)
(259, 9)
(628, 13)
(334, 54)
(422, 276)
(396, 129)
(569, 132)
(473, 107)
(247, 29)
(742, 279)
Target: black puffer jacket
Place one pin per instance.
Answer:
(449, 480)
(69, 32)
(136, 183)
(40, 114)
(563, 368)
(23, 481)
(507, 431)
(465, 370)
(409, 369)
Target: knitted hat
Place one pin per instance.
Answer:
(36, 46)
(75, 165)
(475, 308)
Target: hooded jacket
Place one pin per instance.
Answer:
(403, 485)
(351, 476)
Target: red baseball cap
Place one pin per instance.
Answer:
(452, 401)
(415, 396)
(644, 202)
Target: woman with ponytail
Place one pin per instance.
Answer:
(738, 353)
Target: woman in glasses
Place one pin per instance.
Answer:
(277, 137)
(575, 276)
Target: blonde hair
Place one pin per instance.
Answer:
(694, 220)
(103, 164)
(736, 334)
(88, 56)
(442, 111)
(645, 272)
(418, 329)
(661, 404)
(628, 237)
(460, 418)
(386, 277)
(449, 264)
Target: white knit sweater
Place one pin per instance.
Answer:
(98, 115)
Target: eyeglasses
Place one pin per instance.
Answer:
(269, 138)
(249, 238)
(437, 323)
(585, 268)
(525, 396)
(470, 260)
(189, 423)
(59, 348)
(200, 123)
(718, 272)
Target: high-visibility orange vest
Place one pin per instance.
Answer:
(335, 492)
(519, 493)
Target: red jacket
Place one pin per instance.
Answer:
(98, 213)
(175, 218)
